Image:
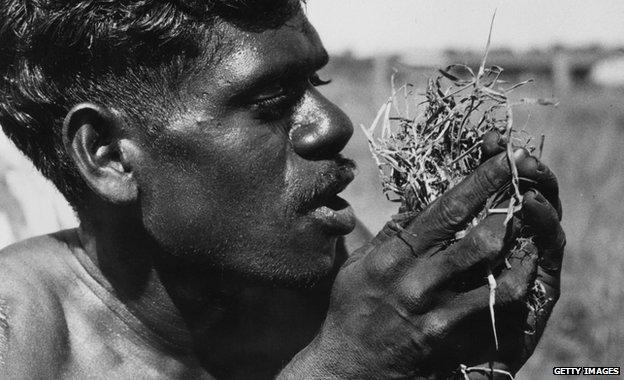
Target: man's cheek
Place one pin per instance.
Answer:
(251, 172)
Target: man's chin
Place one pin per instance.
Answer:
(298, 257)
(302, 270)
(307, 279)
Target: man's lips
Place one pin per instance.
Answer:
(328, 184)
(336, 216)
(333, 212)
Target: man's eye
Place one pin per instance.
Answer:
(277, 100)
(275, 91)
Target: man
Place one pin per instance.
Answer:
(204, 167)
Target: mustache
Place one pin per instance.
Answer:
(326, 184)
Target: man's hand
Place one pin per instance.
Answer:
(522, 327)
(406, 304)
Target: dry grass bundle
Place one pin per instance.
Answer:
(420, 157)
(424, 148)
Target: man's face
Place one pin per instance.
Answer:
(246, 176)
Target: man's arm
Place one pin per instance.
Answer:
(32, 330)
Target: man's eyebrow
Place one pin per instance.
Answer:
(282, 71)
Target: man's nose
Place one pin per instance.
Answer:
(320, 129)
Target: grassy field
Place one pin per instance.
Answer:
(585, 134)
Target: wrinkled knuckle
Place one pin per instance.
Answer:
(481, 246)
(473, 242)
(472, 254)
(489, 180)
(453, 211)
(411, 296)
(436, 325)
(510, 291)
(383, 267)
(488, 242)
(453, 261)
(466, 257)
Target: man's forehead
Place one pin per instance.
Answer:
(250, 57)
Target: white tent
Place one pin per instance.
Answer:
(609, 72)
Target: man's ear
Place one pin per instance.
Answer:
(93, 137)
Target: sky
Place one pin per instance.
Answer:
(367, 27)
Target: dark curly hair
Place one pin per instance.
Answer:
(127, 54)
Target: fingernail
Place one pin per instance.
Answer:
(540, 198)
(536, 196)
(519, 154)
(531, 193)
(502, 140)
(540, 165)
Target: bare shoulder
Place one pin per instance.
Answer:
(33, 333)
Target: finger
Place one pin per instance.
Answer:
(463, 263)
(545, 180)
(454, 209)
(512, 292)
(512, 285)
(493, 144)
(388, 230)
(550, 238)
(467, 259)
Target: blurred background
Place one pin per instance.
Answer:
(575, 52)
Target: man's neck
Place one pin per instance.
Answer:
(227, 326)
(126, 263)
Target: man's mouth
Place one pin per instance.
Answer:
(333, 212)
(336, 216)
